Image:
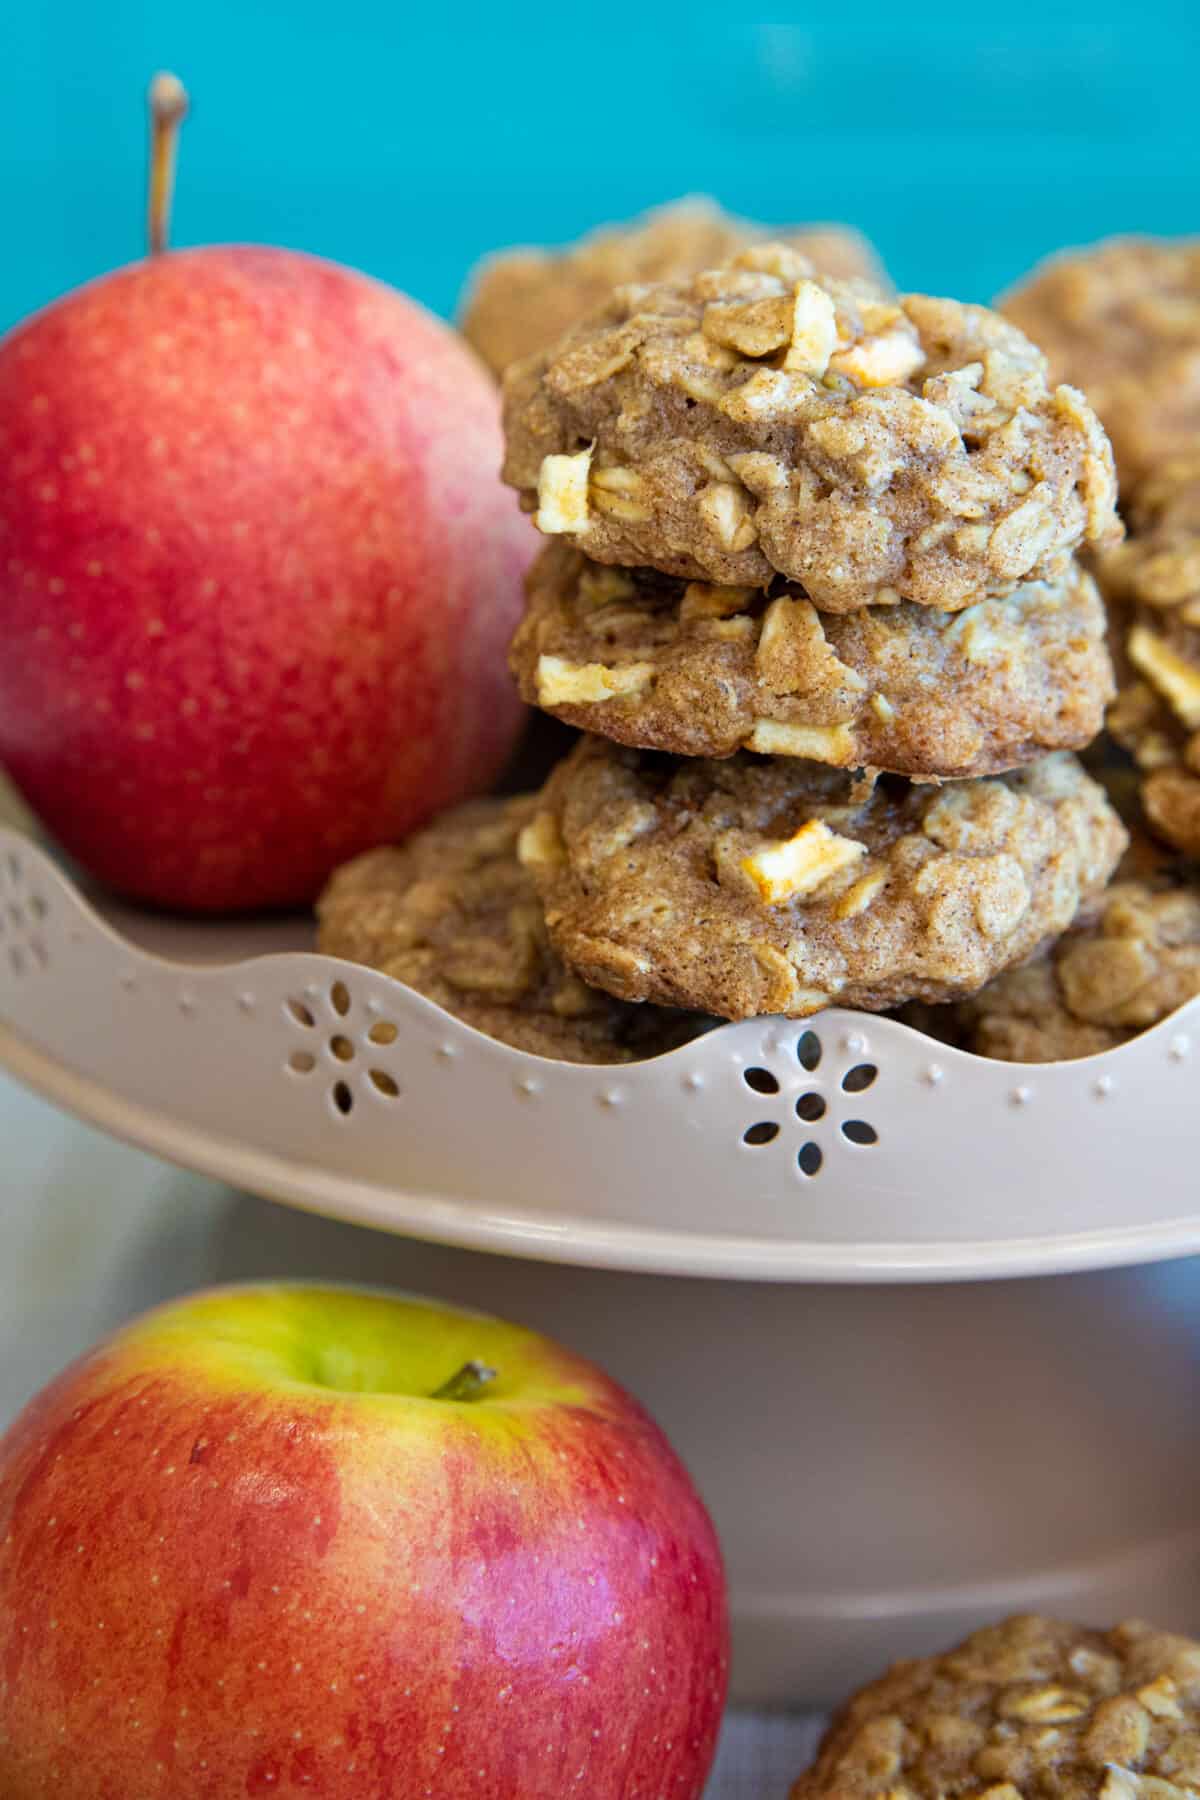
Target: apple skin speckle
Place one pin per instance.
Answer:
(258, 573)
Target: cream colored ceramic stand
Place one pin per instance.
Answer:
(886, 1462)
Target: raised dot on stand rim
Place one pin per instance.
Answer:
(610, 1097)
(446, 1052)
(693, 1082)
(934, 1075)
(247, 1002)
(1179, 1048)
(1103, 1086)
(855, 1043)
(1020, 1096)
(529, 1085)
(187, 1004)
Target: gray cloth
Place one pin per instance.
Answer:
(761, 1754)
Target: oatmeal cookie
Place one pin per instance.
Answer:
(1167, 501)
(652, 661)
(1100, 985)
(1158, 565)
(1158, 719)
(1122, 321)
(518, 301)
(772, 885)
(453, 914)
(1030, 1709)
(1152, 583)
(757, 421)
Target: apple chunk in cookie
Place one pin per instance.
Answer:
(769, 885)
(662, 664)
(761, 420)
(453, 913)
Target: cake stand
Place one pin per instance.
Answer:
(893, 1448)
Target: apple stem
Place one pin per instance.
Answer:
(168, 103)
(467, 1384)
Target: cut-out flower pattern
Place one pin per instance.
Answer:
(333, 1043)
(807, 1094)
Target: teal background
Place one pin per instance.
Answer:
(966, 141)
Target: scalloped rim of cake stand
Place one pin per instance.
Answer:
(579, 1240)
(590, 1239)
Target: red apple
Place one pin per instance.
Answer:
(257, 573)
(281, 1539)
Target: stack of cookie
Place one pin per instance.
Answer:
(811, 593)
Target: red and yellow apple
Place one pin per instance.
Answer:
(258, 573)
(282, 1539)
